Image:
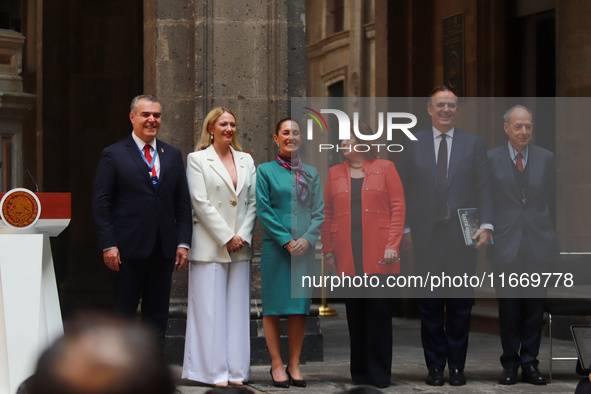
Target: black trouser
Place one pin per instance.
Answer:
(370, 332)
(521, 319)
(370, 336)
(445, 317)
(150, 280)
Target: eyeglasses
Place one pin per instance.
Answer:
(384, 262)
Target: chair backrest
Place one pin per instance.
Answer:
(582, 339)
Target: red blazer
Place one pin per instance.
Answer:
(383, 208)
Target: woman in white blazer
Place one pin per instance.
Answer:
(222, 187)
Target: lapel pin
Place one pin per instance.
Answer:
(161, 150)
(233, 203)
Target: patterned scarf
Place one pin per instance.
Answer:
(300, 173)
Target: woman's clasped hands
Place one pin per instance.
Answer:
(236, 244)
(297, 247)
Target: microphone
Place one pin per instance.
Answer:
(31, 176)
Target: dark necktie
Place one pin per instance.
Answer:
(442, 179)
(519, 161)
(153, 175)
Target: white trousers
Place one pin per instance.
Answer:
(217, 342)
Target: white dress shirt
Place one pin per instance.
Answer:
(513, 152)
(141, 144)
(437, 142)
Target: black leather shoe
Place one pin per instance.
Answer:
(509, 375)
(284, 384)
(435, 377)
(530, 374)
(293, 382)
(457, 377)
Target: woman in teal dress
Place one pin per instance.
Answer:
(291, 208)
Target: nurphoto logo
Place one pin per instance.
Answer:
(391, 120)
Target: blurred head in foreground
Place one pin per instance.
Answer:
(100, 354)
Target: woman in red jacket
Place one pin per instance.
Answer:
(364, 220)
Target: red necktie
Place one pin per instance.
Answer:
(519, 162)
(149, 158)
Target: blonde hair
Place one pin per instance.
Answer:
(210, 120)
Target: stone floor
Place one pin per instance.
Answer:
(482, 368)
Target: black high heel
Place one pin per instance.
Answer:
(293, 382)
(284, 384)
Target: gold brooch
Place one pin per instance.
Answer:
(233, 203)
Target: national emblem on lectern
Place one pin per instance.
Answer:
(20, 208)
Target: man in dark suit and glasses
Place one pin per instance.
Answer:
(142, 213)
(445, 169)
(523, 190)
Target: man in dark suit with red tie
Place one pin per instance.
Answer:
(523, 190)
(142, 213)
(444, 170)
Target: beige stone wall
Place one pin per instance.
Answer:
(199, 55)
(347, 56)
(573, 48)
(169, 66)
(248, 56)
(572, 136)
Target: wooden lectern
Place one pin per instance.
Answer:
(30, 316)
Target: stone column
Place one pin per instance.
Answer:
(248, 56)
(14, 105)
(170, 74)
(356, 78)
